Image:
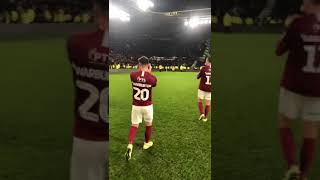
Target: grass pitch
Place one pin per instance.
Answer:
(36, 109)
(245, 135)
(182, 143)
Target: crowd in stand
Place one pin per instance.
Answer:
(252, 12)
(124, 58)
(122, 61)
(29, 11)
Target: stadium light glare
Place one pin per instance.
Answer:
(195, 21)
(116, 13)
(144, 5)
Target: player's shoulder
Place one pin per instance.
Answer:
(301, 20)
(295, 20)
(149, 74)
(134, 73)
(76, 38)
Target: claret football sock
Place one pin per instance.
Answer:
(307, 155)
(288, 146)
(200, 107)
(207, 110)
(132, 134)
(148, 133)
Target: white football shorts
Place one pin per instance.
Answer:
(296, 106)
(140, 113)
(204, 95)
(89, 160)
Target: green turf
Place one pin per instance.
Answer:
(246, 81)
(36, 110)
(182, 148)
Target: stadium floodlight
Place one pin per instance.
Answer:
(195, 21)
(186, 22)
(144, 5)
(116, 13)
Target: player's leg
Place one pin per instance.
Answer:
(98, 160)
(308, 150)
(311, 117)
(132, 133)
(287, 141)
(208, 105)
(89, 160)
(200, 105)
(148, 118)
(136, 119)
(79, 167)
(289, 109)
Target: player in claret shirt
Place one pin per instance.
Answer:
(142, 108)
(300, 88)
(204, 91)
(88, 59)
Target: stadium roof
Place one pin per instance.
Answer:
(184, 7)
(157, 26)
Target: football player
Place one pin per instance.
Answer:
(88, 59)
(204, 91)
(142, 107)
(300, 89)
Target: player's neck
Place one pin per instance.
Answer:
(142, 69)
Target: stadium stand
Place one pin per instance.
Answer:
(37, 11)
(229, 15)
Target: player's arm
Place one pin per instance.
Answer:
(282, 47)
(200, 73)
(131, 77)
(284, 43)
(154, 84)
(70, 48)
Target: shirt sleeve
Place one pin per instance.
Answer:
(154, 82)
(70, 49)
(200, 73)
(284, 44)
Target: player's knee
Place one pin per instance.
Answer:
(284, 121)
(135, 125)
(208, 103)
(148, 123)
(310, 129)
(199, 100)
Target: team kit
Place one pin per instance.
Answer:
(88, 57)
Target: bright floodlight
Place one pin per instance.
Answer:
(116, 13)
(195, 21)
(144, 5)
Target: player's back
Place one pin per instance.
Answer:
(205, 78)
(142, 84)
(90, 74)
(302, 71)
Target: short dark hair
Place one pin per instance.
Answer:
(103, 4)
(143, 60)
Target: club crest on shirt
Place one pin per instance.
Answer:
(97, 57)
